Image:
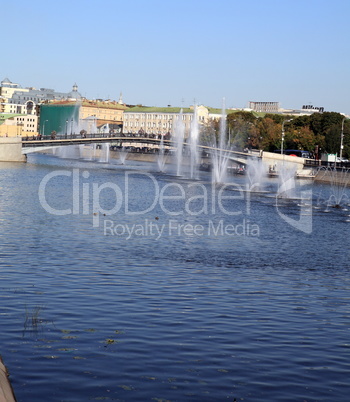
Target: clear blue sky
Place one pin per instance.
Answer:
(179, 52)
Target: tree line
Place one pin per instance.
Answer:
(317, 133)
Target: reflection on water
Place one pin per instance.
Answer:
(209, 316)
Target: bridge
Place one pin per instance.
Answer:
(35, 145)
(15, 149)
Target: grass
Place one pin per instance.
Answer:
(32, 319)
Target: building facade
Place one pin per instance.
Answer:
(72, 117)
(16, 99)
(108, 115)
(18, 125)
(264, 107)
(161, 121)
(21, 106)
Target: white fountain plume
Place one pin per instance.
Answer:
(123, 153)
(161, 156)
(194, 157)
(105, 150)
(219, 154)
(339, 181)
(179, 135)
(287, 184)
(256, 172)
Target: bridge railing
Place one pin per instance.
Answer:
(75, 136)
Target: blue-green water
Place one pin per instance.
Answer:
(259, 310)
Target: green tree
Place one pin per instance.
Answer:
(240, 115)
(346, 141)
(239, 132)
(301, 138)
(269, 134)
(277, 118)
(331, 129)
(209, 132)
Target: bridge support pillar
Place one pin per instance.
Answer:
(11, 150)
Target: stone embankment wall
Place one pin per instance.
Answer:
(11, 150)
(337, 178)
(272, 158)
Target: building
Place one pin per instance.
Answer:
(16, 99)
(107, 114)
(21, 106)
(264, 107)
(62, 112)
(73, 117)
(160, 121)
(18, 125)
(7, 89)
(306, 110)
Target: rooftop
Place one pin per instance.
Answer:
(5, 116)
(88, 103)
(153, 109)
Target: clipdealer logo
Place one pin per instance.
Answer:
(173, 199)
(174, 227)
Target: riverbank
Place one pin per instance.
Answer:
(6, 391)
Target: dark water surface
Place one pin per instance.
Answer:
(259, 312)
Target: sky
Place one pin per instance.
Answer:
(182, 52)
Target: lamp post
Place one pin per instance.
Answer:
(284, 121)
(44, 127)
(71, 126)
(229, 132)
(66, 128)
(341, 140)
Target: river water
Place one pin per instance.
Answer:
(120, 283)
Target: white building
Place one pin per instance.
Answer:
(160, 121)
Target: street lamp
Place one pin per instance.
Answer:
(284, 121)
(66, 128)
(44, 127)
(341, 140)
(229, 131)
(71, 126)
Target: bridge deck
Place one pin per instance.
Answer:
(34, 145)
(240, 157)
